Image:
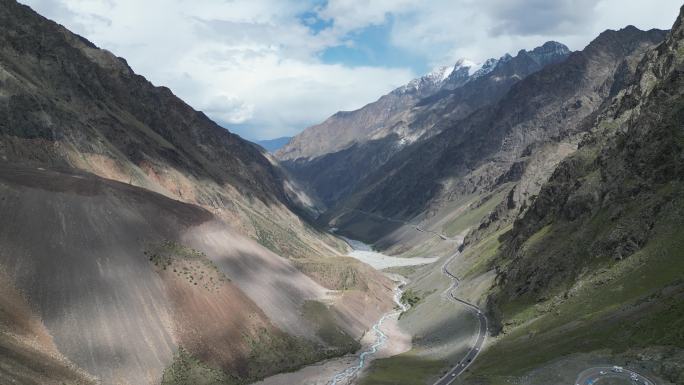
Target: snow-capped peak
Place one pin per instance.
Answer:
(485, 68)
(439, 74)
(432, 80)
(469, 64)
(450, 77)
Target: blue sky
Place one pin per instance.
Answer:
(372, 46)
(270, 68)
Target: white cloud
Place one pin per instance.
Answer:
(229, 109)
(285, 95)
(348, 15)
(241, 61)
(444, 30)
(255, 63)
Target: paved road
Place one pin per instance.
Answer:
(415, 226)
(594, 375)
(587, 377)
(465, 362)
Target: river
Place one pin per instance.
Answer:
(384, 338)
(380, 340)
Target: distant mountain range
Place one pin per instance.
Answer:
(532, 119)
(273, 145)
(334, 156)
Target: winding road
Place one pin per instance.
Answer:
(472, 354)
(587, 377)
(593, 375)
(462, 365)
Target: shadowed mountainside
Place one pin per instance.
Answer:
(332, 158)
(518, 139)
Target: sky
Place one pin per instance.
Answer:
(270, 68)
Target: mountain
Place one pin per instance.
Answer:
(516, 138)
(143, 243)
(94, 113)
(273, 145)
(567, 197)
(608, 220)
(333, 157)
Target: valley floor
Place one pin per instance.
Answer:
(397, 342)
(380, 261)
(321, 373)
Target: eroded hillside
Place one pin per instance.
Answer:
(143, 243)
(121, 278)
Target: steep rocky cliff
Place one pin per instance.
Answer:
(595, 263)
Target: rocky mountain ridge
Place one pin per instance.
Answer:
(609, 219)
(327, 158)
(442, 78)
(544, 113)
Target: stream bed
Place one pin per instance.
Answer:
(379, 261)
(380, 339)
(383, 339)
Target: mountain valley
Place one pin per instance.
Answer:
(516, 221)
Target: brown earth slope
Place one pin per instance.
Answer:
(152, 270)
(122, 277)
(28, 353)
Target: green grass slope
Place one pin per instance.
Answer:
(597, 262)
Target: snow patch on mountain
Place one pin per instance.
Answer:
(450, 77)
(432, 80)
(484, 68)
